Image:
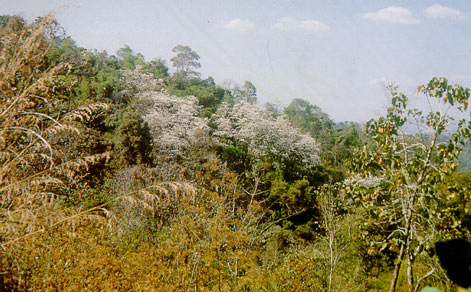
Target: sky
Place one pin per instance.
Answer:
(338, 55)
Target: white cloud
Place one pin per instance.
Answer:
(393, 14)
(241, 25)
(439, 11)
(378, 81)
(289, 23)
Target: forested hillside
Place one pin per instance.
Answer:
(123, 174)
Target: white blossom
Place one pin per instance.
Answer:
(174, 122)
(139, 81)
(367, 182)
(263, 134)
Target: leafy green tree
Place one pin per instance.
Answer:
(402, 184)
(133, 140)
(249, 92)
(312, 120)
(98, 78)
(209, 97)
(309, 118)
(159, 68)
(338, 141)
(129, 59)
(345, 139)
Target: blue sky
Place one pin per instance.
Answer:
(336, 54)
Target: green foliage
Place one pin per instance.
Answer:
(209, 95)
(309, 118)
(4, 19)
(410, 197)
(295, 204)
(345, 139)
(133, 141)
(247, 92)
(235, 157)
(159, 68)
(128, 59)
(337, 141)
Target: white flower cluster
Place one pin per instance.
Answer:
(140, 81)
(174, 122)
(265, 135)
(367, 182)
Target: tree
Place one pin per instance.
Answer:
(273, 108)
(309, 118)
(337, 225)
(174, 122)
(185, 62)
(249, 92)
(133, 141)
(345, 139)
(265, 136)
(312, 120)
(209, 95)
(407, 203)
(159, 68)
(129, 59)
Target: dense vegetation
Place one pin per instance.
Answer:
(117, 175)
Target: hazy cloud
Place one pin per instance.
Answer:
(393, 14)
(378, 81)
(440, 11)
(289, 23)
(240, 25)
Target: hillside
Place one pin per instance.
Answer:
(117, 175)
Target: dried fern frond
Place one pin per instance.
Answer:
(24, 73)
(30, 164)
(25, 76)
(29, 132)
(86, 113)
(71, 168)
(58, 128)
(164, 191)
(43, 183)
(158, 200)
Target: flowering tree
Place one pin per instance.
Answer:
(137, 81)
(264, 135)
(174, 122)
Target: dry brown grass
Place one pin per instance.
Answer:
(30, 165)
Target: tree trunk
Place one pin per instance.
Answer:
(410, 272)
(397, 268)
(404, 247)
